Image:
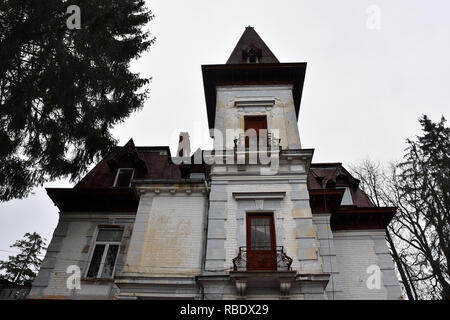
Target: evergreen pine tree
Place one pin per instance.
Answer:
(22, 268)
(424, 182)
(62, 90)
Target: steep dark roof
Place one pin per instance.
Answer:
(150, 163)
(240, 70)
(248, 41)
(325, 182)
(323, 176)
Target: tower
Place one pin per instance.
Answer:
(254, 90)
(260, 224)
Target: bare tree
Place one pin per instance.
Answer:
(419, 233)
(374, 181)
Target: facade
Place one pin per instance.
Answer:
(236, 222)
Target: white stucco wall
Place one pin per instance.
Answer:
(167, 236)
(274, 101)
(72, 244)
(294, 228)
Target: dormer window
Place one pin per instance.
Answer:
(252, 55)
(123, 177)
(347, 197)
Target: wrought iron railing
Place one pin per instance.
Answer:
(272, 141)
(13, 293)
(283, 261)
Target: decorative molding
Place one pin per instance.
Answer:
(255, 87)
(285, 287)
(359, 234)
(69, 216)
(249, 177)
(298, 168)
(172, 190)
(265, 103)
(259, 204)
(241, 287)
(258, 195)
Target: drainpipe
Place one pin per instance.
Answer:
(205, 235)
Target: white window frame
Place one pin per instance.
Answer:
(105, 252)
(117, 177)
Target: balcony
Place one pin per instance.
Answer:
(262, 141)
(262, 260)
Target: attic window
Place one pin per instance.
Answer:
(123, 177)
(252, 55)
(347, 197)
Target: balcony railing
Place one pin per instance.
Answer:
(270, 260)
(272, 141)
(14, 293)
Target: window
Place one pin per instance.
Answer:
(124, 176)
(347, 197)
(105, 253)
(259, 124)
(260, 233)
(252, 55)
(261, 246)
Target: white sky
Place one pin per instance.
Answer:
(364, 89)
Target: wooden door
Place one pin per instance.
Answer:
(257, 123)
(261, 247)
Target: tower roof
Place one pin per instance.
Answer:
(251, 46)
(251, 63)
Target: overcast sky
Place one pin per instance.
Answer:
(364, 89)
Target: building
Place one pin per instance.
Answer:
(254, 218)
